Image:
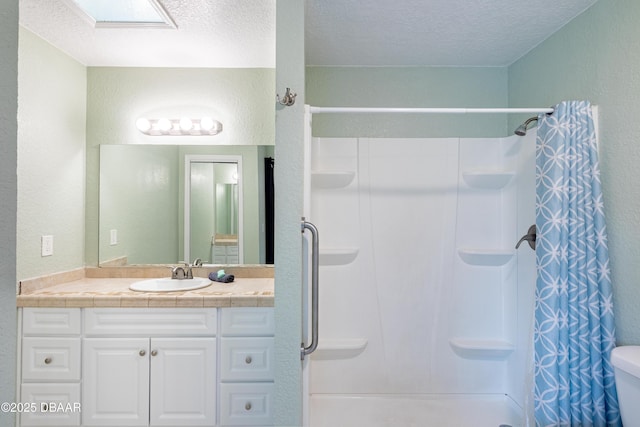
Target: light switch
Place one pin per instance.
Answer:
(47, 245)
(113, 234)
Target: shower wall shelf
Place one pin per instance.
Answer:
(339, 348)
(337, 256)
(470, 348)
(484, 257)
(489, 180)
(331, 179)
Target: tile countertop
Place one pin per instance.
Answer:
(115, 292)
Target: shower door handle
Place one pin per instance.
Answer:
(315, 264)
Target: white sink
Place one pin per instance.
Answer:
(167, 284)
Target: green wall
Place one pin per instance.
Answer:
(288, 175)
(408, 87)
(51, 152)
(139, 199)
(8, 195)
(597, 57)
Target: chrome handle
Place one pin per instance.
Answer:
(247, 406)
(248, 360)
(315, 253)
(154, 352)
(530, 237)
(142, 353)
(47, 360)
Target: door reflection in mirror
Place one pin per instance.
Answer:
(213, 208)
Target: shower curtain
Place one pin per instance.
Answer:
(574, 326)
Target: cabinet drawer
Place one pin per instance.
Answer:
(50, 321)
(55, 405)
(150, 322)
(55, 359)
(220, 250)
(246, 404)
(246, 359)
(248, 321)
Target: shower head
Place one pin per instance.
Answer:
(522, 129)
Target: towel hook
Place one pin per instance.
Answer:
(288, 99)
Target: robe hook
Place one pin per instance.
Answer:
(288, 99)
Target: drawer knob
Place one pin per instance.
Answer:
(142, 353)
(47, 360)
(247, 406)
(248, 360)
(154, 352)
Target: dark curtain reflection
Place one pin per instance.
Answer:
(269, 208)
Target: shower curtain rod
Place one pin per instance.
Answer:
(321, 110)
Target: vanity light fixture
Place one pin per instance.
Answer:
(177, 127)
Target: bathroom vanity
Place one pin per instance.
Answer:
(113, 357)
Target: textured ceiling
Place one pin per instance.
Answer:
(431, 32)
(241, 33)
(210, 33)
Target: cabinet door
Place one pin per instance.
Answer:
(183, 382)
(115, 382)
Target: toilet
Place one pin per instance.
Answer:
(626, 364)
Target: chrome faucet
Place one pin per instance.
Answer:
(181, 273)
(185, 272)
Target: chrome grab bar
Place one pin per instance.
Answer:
(315, 264)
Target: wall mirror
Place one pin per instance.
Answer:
(162, 204)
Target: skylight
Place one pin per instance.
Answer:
(124, 13)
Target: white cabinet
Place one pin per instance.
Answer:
(50, 367)
(142, 381)
(226, 254)
(156, 372)
(246, 367)
(148, 367)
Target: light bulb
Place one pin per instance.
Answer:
(206, 124)
(186, 124)
(143, 125)
(164, 125)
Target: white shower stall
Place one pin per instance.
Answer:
(425, 305)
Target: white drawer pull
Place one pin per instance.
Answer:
(47, 360)
(247, 406)
(248, 360)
